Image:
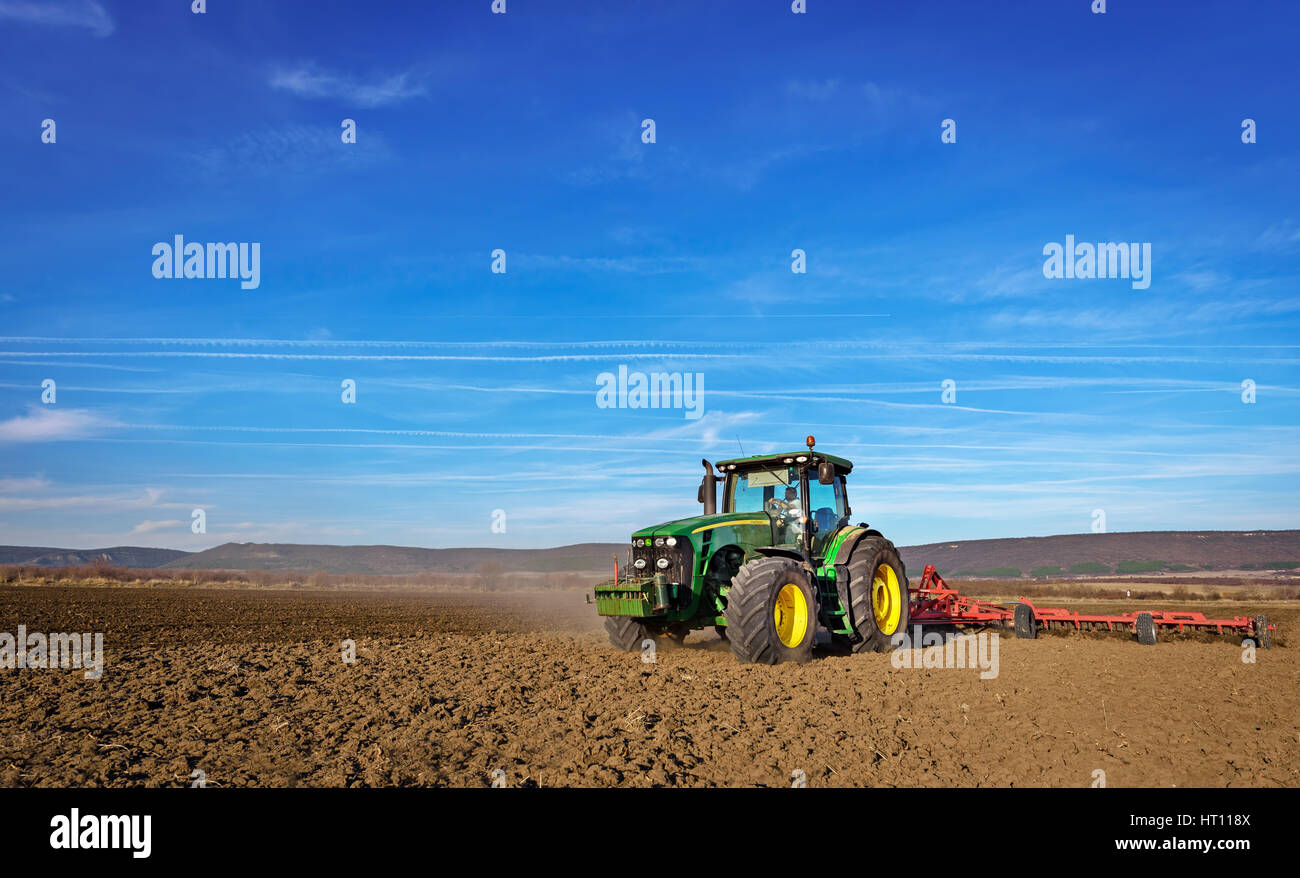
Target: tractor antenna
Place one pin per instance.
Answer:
(742, 447)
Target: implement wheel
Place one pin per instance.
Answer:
(1026, 624)
(771, 612)
(1262, 638)
(878, 594)
(1146, 629)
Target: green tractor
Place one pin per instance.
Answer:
(777, 571)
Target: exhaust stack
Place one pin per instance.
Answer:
(708, 493)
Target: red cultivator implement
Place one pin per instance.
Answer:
(935, 603)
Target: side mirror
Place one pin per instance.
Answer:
(699, 495)
(826, 472)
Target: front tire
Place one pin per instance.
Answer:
(878, 594)
(626, 633)
(771, 612)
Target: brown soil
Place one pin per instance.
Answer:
(250, 688)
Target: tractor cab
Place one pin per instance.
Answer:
(801, 493)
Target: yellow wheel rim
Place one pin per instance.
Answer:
(791, 615)
(886, 599)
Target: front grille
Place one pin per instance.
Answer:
(679, 561)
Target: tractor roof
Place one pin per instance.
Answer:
(760, 460)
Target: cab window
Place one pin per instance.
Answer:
(826, 504)
(753, 491)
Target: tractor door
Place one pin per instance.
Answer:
(828, 510)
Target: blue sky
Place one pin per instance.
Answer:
(476, 391)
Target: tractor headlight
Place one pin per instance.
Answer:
(639, 563)
(670, 542)
(662, 563)
(659, 541)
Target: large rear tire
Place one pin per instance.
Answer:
(771, 612)
(878, 594)
(626, 633)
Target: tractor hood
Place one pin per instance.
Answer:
(694, 526)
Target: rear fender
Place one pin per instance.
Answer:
(842, 545)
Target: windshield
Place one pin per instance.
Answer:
(754, 491)
(777, 493)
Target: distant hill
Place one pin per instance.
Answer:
(1110, 553)
(1063, 555)
(126, 556)
(397, 560)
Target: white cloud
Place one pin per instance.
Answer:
(1204, 279)
(52, 425)
(147, 526)
(87, 14)
(1279, 236)
(289, 149)
(811, 89)
(14, 486)
(148, 499)
(309, 81)
(1141, 319)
